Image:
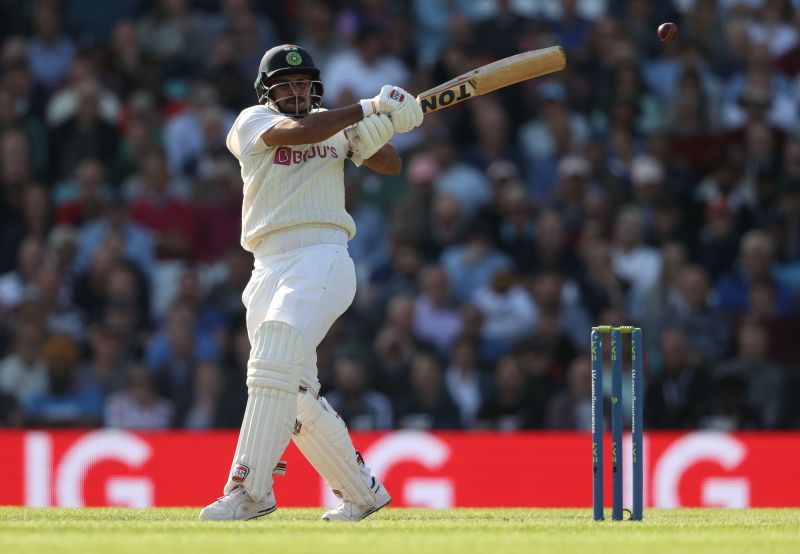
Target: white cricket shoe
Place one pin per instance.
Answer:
(350, 512)
(238, 504)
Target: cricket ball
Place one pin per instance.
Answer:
(667, 32)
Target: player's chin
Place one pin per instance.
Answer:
(295, 107)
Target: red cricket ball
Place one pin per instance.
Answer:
(667, 32)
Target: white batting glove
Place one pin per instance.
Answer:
(368, 136)
(389, 99)
(407, 116)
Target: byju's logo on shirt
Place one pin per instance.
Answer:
(288, 156)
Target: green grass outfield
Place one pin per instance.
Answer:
(406, 531)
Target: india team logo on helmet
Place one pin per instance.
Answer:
(293, 57)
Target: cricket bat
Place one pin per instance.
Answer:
(493, 76)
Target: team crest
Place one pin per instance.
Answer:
(239, 473)
(293, 57)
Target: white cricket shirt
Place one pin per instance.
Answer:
(287, 186)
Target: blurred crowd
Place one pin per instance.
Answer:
(648, 183)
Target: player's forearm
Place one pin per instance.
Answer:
(385, 161)
(313, 128)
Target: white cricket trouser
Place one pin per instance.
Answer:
(302, 281)
(306, 279)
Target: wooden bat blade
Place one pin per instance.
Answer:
(493, 76)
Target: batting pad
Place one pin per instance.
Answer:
(324, 441)
(273, 378)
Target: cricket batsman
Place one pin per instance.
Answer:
(292, 154)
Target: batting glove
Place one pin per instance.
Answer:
(407, 116)
(389, 99)
(368, 136)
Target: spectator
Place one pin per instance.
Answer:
(634, 262)
(493, 133)
(571, 189)
(369, 248)
(412, 213)
(457, 179)
(360, 71)
(185, 136)
(560, 321)
(226, 295)
(428, 405)
(16, 172)
(706, 327)
(499, 34)
(62, 247)
(730, 410)
(514, 229)
(395, 346)
(139, 138)
(23, 373)
(508, 408)
(571, 29)
(753, 375)
(66, 401)
(138, 405)
(435, 319)
(83, 83)
(544, 374)
(223, 206)
(718, 240)
(89, 199)
(135, 241)
(51, 51)
(647, 180)
(508, 311)
(108, 362)
(600, 286)
(464, 380)
(254, 32)
(174, 34)
(678, 396)
(36, 211)
(234, 396)
(556, 132)
(360, 407)
(471, 265)
(157, 208)
(552, 250)
(16, 286)
(781, 330)
(655, 305)
(52, 299)
(572, 407)
(756, 261)
(448, 223)
(189, 292)
(126, 66)
(173, 353)
(205, 410)
(84, 135)
(317, 32)
(112, 280)
(31, 126)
